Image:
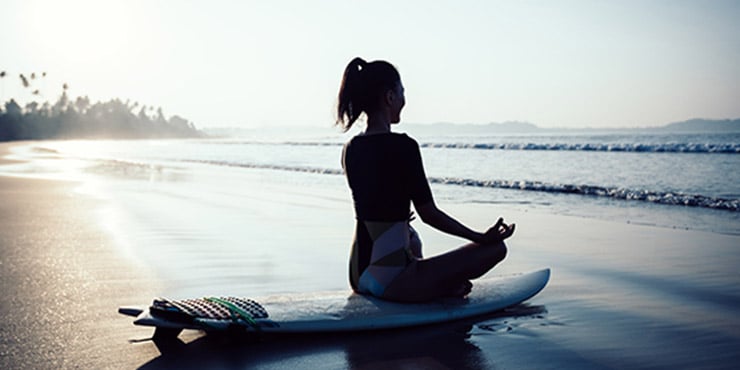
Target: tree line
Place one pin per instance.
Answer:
(81, 119)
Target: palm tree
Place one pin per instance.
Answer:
(24, 81)
(2, 76)
(43, 75)
(63, 100)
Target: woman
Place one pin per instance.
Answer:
(385, 173)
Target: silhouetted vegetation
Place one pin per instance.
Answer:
(81, 119)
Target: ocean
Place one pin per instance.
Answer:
(673, 180)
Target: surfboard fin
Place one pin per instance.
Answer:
(165, 334)
(130, 311)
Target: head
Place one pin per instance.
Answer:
(370, 88)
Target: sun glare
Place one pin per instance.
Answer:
(78, 30)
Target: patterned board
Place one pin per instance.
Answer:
(222, 308)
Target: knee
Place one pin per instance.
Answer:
(500, 252)
(494, 253)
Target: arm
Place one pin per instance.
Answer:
(436, 218)
(421, 196)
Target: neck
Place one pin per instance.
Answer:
(378, 124)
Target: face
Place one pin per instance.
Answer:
(397, 100)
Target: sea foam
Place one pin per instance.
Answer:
(617, 193)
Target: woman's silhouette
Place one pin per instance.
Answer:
(386, 174)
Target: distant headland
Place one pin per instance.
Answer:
(700, 124)
(516, 127)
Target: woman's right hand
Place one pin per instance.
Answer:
(497, 233)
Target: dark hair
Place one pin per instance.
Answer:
(362, 86)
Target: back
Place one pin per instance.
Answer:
(385, 173)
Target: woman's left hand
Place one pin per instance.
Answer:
(498, 232)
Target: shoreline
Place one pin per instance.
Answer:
(621, 295)
(62, 280)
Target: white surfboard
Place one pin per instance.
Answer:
(339, 310)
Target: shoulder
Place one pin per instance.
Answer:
(408, 143)
(404, 139)
(400, 143)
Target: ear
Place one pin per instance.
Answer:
(389, 96)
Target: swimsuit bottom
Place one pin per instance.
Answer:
(395, 246)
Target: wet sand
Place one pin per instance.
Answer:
(621, 296)
(61, 280)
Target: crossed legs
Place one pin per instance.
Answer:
(448, 274)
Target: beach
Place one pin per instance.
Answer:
(622, 294)
(61, 280)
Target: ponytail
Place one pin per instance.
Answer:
(362, 85)
(350, 105)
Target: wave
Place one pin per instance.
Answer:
(719, 148)
(657, 197)
(42, 150)
(599, 147)
(258, 166)
(617, 193)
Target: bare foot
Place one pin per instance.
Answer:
(463, 290)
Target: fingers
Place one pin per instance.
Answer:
(502, 230)
(498, 232)
(509, 231)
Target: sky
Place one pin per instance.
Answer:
(603, 64)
